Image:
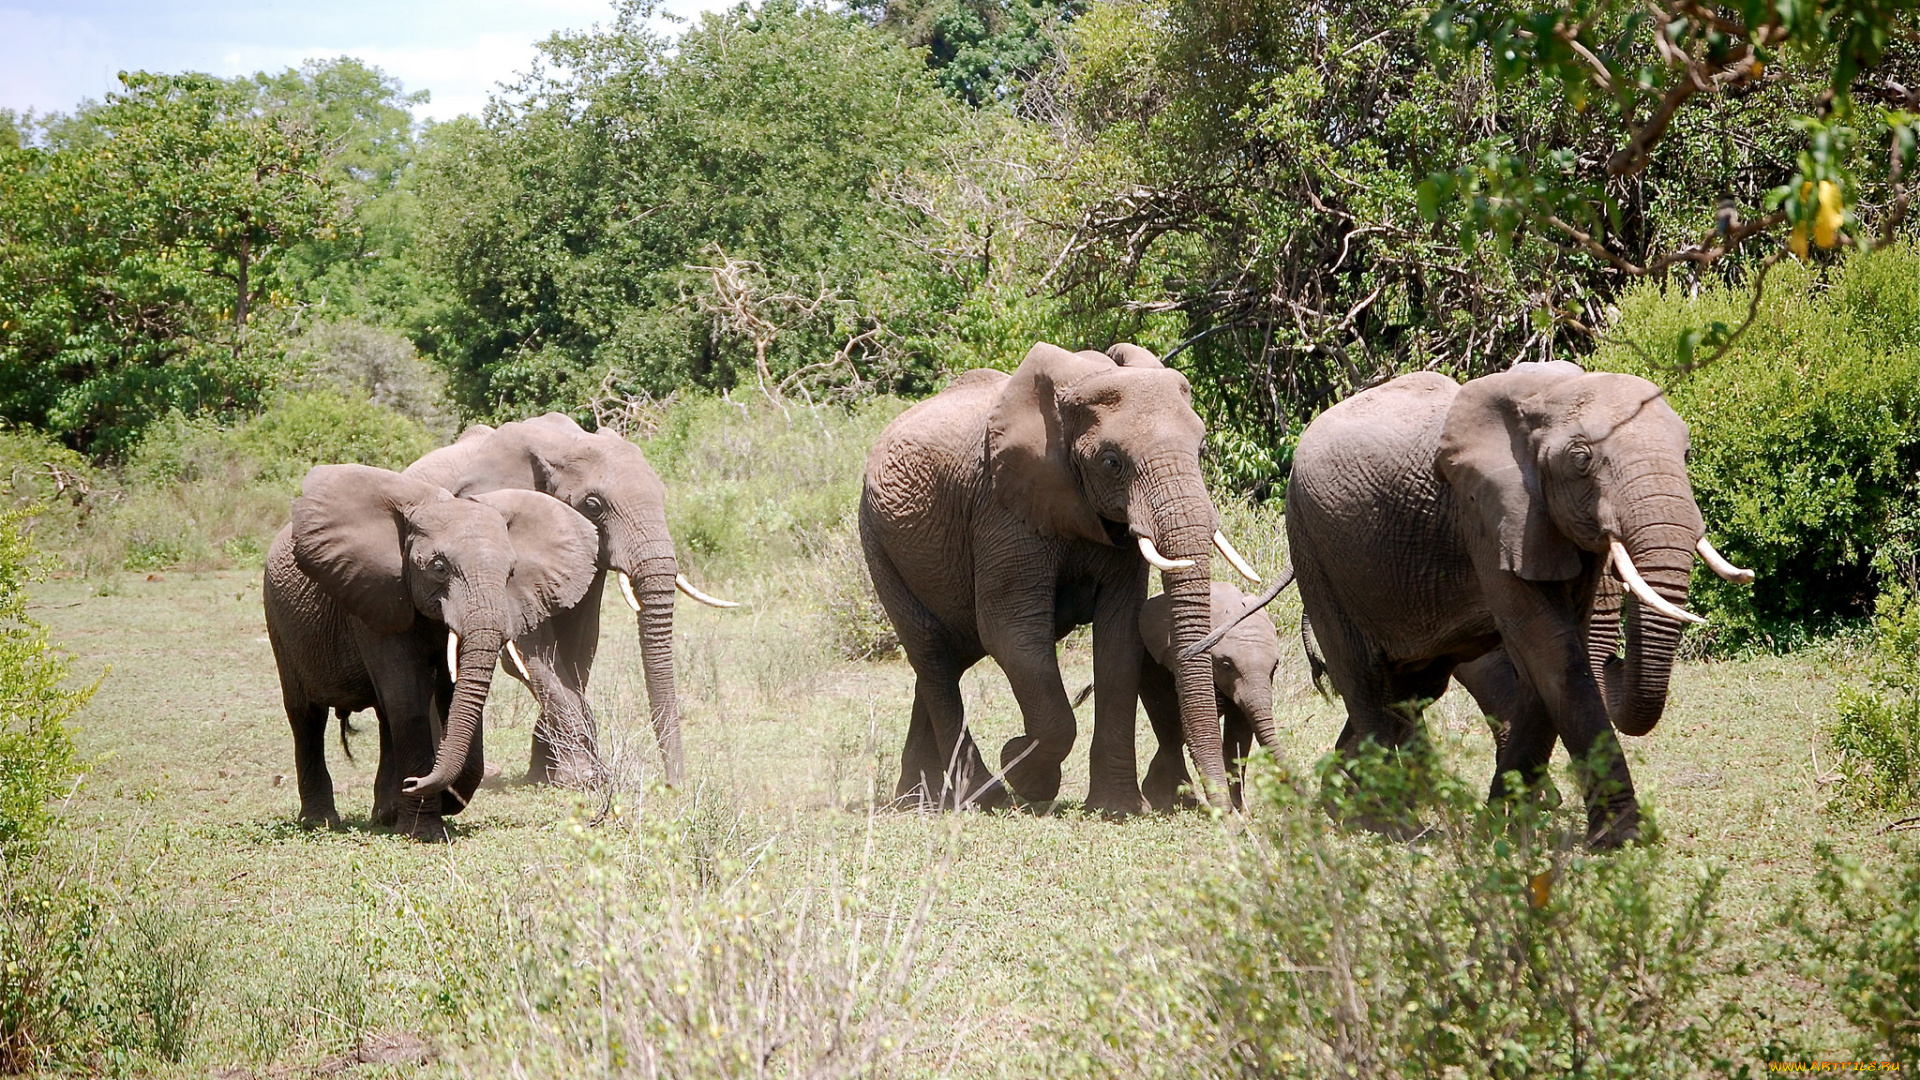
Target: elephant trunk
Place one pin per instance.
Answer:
(653, 586)
(479, 651)
(1259, 710)
(1183, 530)
(1636, 687)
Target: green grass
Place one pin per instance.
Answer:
(538, 940)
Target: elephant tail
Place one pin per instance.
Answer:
(345, 717)
(1253, 604)
(1316, 664)
(1080, 698)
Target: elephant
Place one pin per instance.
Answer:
(1006, 510)
(1244, 662)
(606, 479)
(1434, 524)
(389, 593)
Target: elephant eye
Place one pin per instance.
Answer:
(1110, 461)
(593, 505)
(438, 564)
(1582, 456)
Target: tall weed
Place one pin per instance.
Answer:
(1860, 936)
(1876, 730)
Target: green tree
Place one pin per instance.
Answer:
(137, 244)
(982, 50)
(673, 213)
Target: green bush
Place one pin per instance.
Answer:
(37, 760)
(1876, 730)
(1806, 435)
(1491, 945)
(1863, 941)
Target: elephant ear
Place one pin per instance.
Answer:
(1028, 445)
(348, 537)
(1487, 454)
(1127, 354)
(556, 554)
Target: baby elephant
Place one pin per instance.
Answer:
(1244, 662)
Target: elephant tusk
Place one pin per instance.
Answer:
(1718, 564)
(1152, 555)
(453, 656)
(1233, 557)
(711, 601)
(1623, 563)
(519, 662)
(626, 590)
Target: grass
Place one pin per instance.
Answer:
(766, 918)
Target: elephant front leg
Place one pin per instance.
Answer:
(1113, 777)
(1167, 772)
(566, 742)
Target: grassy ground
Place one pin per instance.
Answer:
(537, 939)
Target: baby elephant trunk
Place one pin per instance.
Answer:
(478, 653)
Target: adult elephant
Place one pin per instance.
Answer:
(607, 479)
(1433, 524)
(1006, 510)
(387, 593)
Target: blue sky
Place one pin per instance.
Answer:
(53, 53)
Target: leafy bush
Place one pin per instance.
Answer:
(1806, 435)
(379, 366)
(1863, 942)
(856, 623)
(1877, 730)
(37, 760)
(1492, 945)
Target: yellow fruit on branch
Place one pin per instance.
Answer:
(1832, 213)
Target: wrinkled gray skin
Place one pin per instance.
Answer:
(1434, 524)
(361, 590)
(1244, 662)
(607, 479)
(1001, 513)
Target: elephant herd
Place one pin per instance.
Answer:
(1530, 533)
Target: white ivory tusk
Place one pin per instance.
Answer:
(626, 590)
(1718, 564)
(1629, 573)
(711, 601)
(453, 656)
(1229, 553)
(519, 662)
(1152, 555)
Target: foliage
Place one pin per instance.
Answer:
(1806, 435)
(982, 50)
(1863, 941)
(578, 224)
(133, 247)
(1490, 945)
(1876, 730)
(37, 758)
(377, 365)
(1635, 73)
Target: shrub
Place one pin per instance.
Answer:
(856, 623)
(327, 427)
(1862, 939)
(1876, 730)
(379, 366)
(1806, 435)
(1491, 945)
(37, 760)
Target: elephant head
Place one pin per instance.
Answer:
(1105, 448)
(390, 549)
(1245, 658)
(1557, 470)
(609, 482)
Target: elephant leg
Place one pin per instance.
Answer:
(1236, 731)
(1113, 776)
(940, 764)
(1031, 761)
(1524, 733)
(566, 744)
(310, 763)
(1167, 772)
(1540, 629)
(403, 674)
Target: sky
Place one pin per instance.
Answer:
(54, 53)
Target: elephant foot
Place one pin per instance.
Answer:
(328, 819)
(1611, 828)
(422, 822)
(1116, 802)
(1032, 779)
(1167, 786)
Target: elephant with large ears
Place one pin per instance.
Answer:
(388, 593)
(1006, 510)
(608, 480)
(1245, 658)
(1434, 524)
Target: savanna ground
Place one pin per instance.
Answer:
(770, 913)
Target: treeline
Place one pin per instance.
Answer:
(1287, 201)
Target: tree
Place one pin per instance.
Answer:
(135, 247)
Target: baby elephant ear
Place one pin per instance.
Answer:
(347, 537)
(556, 554)
(1029, 441)
(1487, 454)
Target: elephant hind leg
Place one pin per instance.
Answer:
(1523, 731)
(309, 724)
